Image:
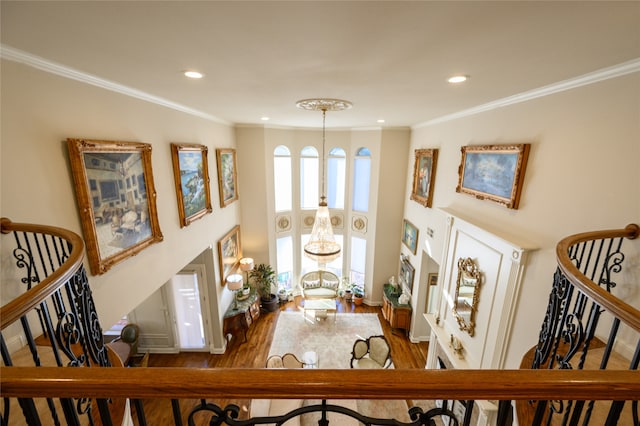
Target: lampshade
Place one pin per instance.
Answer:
(234, 282)
(322, 246)
(246, 264)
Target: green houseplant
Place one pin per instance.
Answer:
(358, 294)
(264, 278)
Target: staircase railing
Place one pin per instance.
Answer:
(57, 302)
(587, 327)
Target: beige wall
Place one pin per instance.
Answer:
(583, 174)
(40, 110)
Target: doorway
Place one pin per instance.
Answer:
(188, 295)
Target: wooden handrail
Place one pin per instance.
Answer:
(28, 300)
(317, 383)
(628, 314)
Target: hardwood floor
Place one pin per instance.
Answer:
(253, 354)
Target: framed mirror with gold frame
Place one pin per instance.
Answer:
(465, 303)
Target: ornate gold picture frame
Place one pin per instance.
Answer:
(493, 172)
(227, 176)
(229, 253)
(424, 175)
(116, 198)
(191, 174)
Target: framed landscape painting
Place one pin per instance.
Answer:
(191, 173)
(116, 198)
(409, 235)
(227, 176)
(424, 174)
(229, 253)
(493, 172)
(407, 272)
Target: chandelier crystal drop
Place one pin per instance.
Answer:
(322, 246)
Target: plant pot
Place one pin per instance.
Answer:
(348, 295)
(357, 300)
(284, 297)
(270, 305)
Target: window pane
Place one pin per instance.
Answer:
(282, 179)
(363, 152)
(336, 171)
(282, 150)
(309, 197)
(284, 265)
(358, 260)
(309, 151)
(336, 265)
(361, 181)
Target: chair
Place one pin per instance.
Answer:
(373, 352)
(126, 345)
(279, 407)
(287, 360)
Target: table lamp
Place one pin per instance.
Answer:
(246, 265)
(234, 283)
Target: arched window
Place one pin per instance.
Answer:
(361, 180)
(282, 178)
(336, 172)
(309, 197)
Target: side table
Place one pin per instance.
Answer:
(240, 316)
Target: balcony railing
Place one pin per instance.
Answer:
(56, 318)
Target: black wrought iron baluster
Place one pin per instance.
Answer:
(139, 407)
(175, 408)
(229, 415)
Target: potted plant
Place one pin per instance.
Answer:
(358, 294)
(264, 277)
(347, 289)
(283, 295)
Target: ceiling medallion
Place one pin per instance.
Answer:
(324, 104)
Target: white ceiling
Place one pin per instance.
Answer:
(391, 59)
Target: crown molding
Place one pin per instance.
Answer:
(11, 54)
(608, 73)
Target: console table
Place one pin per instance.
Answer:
(397, 315)
(241, 316)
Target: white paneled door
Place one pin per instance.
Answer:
(189, 300)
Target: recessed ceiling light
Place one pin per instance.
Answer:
(458, 79)
(193, 74)
(264, 118)
(381, 121)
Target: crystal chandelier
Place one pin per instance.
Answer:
(322, 246)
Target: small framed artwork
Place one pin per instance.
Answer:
(409, 235)
(424, 174)
(493, 172)
(432, 279)
(116, 198)
(227, 176)
(407, 273)
(229, 253)
(191, 173)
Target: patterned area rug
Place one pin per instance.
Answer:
(332, 339)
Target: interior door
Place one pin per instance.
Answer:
(190, 315)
